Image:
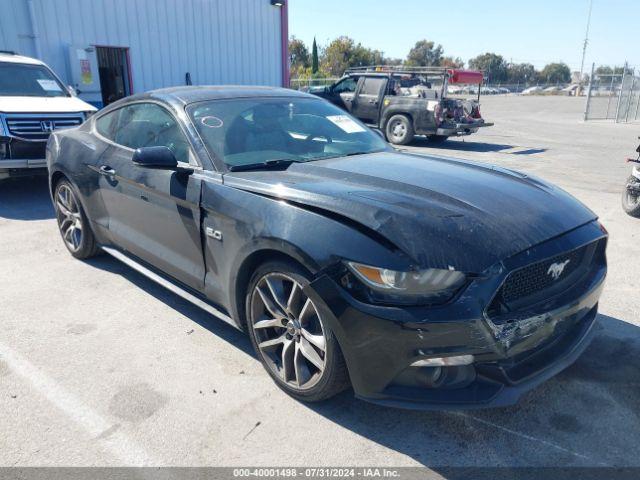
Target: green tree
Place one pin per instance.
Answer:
(343, 53)
(425, 54)
(556, 73)
(299, 56)
(607, 70)
(521, 73)
(315, 64)
(493, 65)
(451, 62)
(393, 61)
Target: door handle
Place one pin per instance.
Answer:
(373, 101)
(106, 170)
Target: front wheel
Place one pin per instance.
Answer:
(630, 199)
(399, 130)
(290, 336)
(73, 223)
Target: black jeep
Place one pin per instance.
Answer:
(404, 102)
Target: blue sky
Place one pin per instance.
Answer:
(536, 31)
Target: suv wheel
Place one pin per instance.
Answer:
(399, 130)
(72, 222)
(289, 335)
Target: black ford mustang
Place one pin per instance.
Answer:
(423, 282)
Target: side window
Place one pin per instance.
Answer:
(106, 124)
(372, 86)
(348, 85)
(150, 125)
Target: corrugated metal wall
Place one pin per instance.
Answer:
(217, 41)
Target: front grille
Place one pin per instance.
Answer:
(534, 289)
(38, 127)
(540, 276)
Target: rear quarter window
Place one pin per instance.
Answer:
(105, 125)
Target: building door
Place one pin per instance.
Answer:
(113, 68)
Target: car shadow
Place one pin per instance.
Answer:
(589, 415)
(461, 145)
(26, 198)
(202, 318)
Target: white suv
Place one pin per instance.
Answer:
(33, 103)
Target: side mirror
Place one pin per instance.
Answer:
(155, 157)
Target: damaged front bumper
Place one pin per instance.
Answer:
(382, 344)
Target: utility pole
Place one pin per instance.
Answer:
(586, 42)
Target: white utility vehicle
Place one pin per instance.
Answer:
(33, 103)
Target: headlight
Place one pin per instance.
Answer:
(429, 286)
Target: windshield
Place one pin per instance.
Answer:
(19, 80)
(251, 131)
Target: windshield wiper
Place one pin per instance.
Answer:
(351, 154)
(280, 163)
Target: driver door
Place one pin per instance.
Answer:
(154, 213)
(344, 92)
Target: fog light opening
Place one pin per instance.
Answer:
(431, 377)
(456, 361)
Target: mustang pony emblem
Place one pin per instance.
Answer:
(556, 269)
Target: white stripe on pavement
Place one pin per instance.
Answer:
(107, 434)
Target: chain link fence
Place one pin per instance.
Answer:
(613, 96)
(307, 83)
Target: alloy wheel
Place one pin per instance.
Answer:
(288, 331)
(69, 217)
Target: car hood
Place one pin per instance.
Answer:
(442, 212)
(43, 105)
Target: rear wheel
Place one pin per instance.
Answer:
(290, 336)
(72, 222)
(631, 200)
(399, 130)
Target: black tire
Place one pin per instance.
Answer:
(399, 130)
(83, 244)
(630, 202)
(333, 378)
(437, 139)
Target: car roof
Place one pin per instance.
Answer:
(180, 96)
(13, 58)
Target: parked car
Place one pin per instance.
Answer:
(489, 91)
(33, 103)
(405, 101)
(531, 90)
(572, 90)
(347, 262)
